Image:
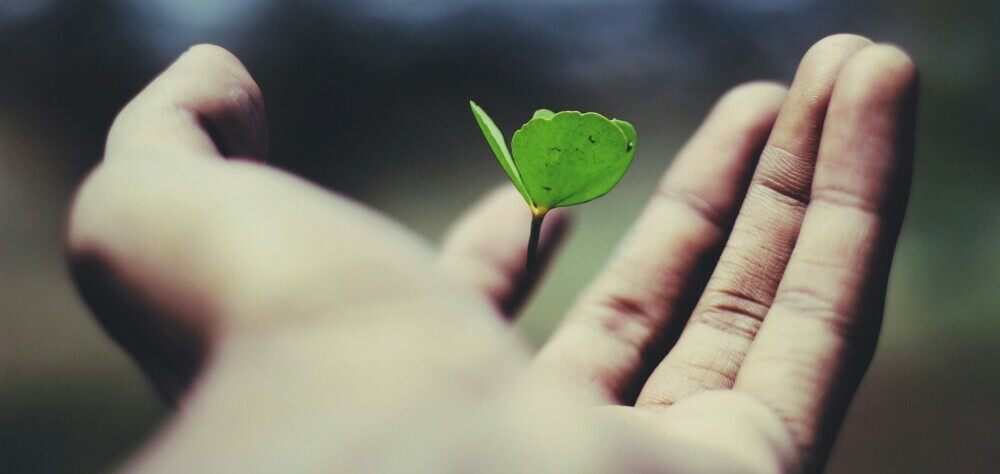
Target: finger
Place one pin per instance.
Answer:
(312, 311)
(173, 257)
(624, 320)
(205, 103)
(487, 248)
(725, 320)
(820, 334)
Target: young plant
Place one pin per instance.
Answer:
(561, 159)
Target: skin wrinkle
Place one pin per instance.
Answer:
(785, 174)
(766, 229)
(746, 153)
(846, 245)
(692, 371)
(698, 205)
(731, 312)
(807, 303)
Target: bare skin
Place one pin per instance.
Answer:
(298, 331)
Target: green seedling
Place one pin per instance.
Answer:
(561, 159)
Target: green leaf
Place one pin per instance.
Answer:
(629, 132)
(543, 113)
(495, 138)
(570, 158)
(561, 159)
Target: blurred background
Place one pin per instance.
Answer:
(370, 97)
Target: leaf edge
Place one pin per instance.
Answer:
(500, 149)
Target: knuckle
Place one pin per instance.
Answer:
(625, 318)
(689, 377)
(708, 374)
(80, 235)
(844, 199)
(811, 304)
(631, 308)
(806, 301)
(97, 197)
(696, 203)
(784, 175)
(731, 311)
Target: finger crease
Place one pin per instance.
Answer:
(733, 312)
(698, 205)
(625, 320)
(841, 198)
(781, 192)
(785, 173)
(808, 303)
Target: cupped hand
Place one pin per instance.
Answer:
(298, 331)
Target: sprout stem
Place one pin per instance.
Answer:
(536, 230)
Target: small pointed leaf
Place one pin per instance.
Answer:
(495, 138)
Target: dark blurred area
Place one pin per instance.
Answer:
(370, 97)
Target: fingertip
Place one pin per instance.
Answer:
(882, 71)
(206, 102)
(751, 105)
(835, 46)
(822, 63)
(753, 93)
(557, 223)
(840, 40)
(208, 50)
(487, 247)
(216, 58)
(869, 135)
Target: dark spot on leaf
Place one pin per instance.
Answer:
(555, 148)
(591, 138)
(628, 147)
(546, 188)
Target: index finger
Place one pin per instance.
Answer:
(205, 103)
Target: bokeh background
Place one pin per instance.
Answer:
(369, 97)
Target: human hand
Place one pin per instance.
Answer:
(299, 331)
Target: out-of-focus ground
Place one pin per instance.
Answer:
(370, 98)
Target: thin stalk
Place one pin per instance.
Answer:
(536, 230)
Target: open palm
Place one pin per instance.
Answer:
(298, 331)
